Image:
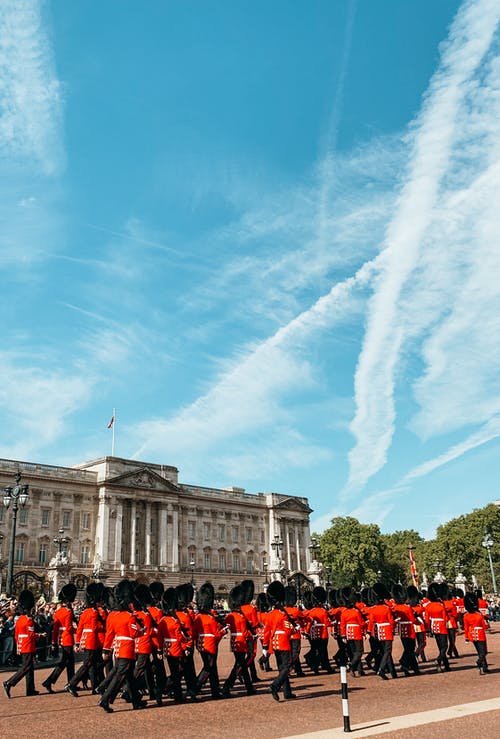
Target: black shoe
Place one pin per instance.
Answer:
(382, 675)
(48, 686)
(33, 692)
(274, 693)
(71, 690)
(6, 688)
(105, 706)
(290, 697)
(159, 701)
(138, 705)
(251, 691)
(191, 695)
(257, 680)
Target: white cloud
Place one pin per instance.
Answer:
(437, 130)
(30, 96)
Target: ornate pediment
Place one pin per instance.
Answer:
(143, 479)
(293, 504)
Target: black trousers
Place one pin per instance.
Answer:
(175, 667)
(144, 669)
(282, 680)
(89, 667)
(26, 670)
(442, 645)
(189, 671)
(240, 666)
(160, 676)
(408, 659)
(386, 662)
(481, 653)
(66, 660)
(208, 672)
(123, 672)
(319, 657)
(355, 649)
(295, 656)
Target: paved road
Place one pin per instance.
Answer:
(318, 707)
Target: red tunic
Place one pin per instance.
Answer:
(121, 630)
(451, 612)
(297, 616)
(63, 630)
(436, 618)
(88, 629)
(352, 624)
(144, 642)
(172, 641)
(475, 627)
(187, 621)
(157, 615)
(207, 633)
(405, 620)
(240, 634)
(277, 631)
(24, 634)
(381, 622)
(320, 622)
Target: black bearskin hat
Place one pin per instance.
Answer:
(459, 593)
(398, 593)
(332, 598)
(262, 602)
(205, 597)
(319, 595)
(380, 592)
(444, 591)
(365, 595)
(185, 595)
(290, 595)
(413, 595)
(170, 600)
(143, 596)
(124, 594)
(479, 592)
(93, 594)
(276, 592)
(108, 598)
(157, 589)
(347, 597)
(235, 598)
(67, 594)
(433, 592)
(471, 602)
(248, 590)
(307, 599)
(26, 601)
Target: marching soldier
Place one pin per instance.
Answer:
(207, 633)
(277, 632)
(475, 626)
(241, 636)
(435, 620)
(25, 638)
(63, 635)
(90, 625)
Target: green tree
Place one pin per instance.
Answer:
(353, 550)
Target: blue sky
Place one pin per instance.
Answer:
(267, 233)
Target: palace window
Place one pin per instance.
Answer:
(42, 554)
(45, 516)
(222, 561)
(85, 519)
(20, 547)
(207, 560)
(85, 555)
(236, 561)
(206, 531)
(221, 531)
(248, 535)
(66, 519)
(236, 534)
(23, 516)
(192, 529)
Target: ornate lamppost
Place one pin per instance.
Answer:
(265, 565)
(60, 541)
(277, 545)
(487, 543)
(16, 495)
(192, 565)
(328, 569)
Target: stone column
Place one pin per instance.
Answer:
(102, 527)
(297, 548)
(175, 540)
(133, 531)
(118, 533)
(162, 536)
(288, 562)
(147, 535)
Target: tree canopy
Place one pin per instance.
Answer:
(359, 553)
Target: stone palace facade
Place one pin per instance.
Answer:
(126, 518)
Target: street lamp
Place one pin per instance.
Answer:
(192, 564)
(15, 495)
(265, 565)
(277, 545)
(327, 582)
(60, 541)
(487, 543)
(314, 548)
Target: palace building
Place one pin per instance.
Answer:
(112, 518)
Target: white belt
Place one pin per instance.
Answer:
(88, 631)
(170, 641)
(437, 619)
(236, 633)
(385, 623)
(405, 622)
(207, 635)
(123, 638)
(280, 632)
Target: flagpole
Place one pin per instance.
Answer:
(113, 433)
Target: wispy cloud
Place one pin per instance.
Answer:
(436, 131)
(30, 94)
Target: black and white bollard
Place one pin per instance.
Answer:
(345, 702)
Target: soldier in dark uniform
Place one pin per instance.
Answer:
(25, 638)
